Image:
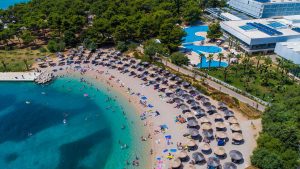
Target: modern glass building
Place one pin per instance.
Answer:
(261, 35)
(266, 8)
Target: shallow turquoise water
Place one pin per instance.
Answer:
(34, 136)
(6, 3)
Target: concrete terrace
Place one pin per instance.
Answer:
(18, 76)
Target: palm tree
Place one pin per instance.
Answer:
(268, 62)
(229, 56)
(210, 58)
(220, 57)
(237, 45)
(26, 64)
(279, 64)
(238, 57)
(225, 74)
(259, 57)
(201, 55)
(4, 65)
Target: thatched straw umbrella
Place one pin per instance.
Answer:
(219, 151)
(191, 143)
(232, 120)
(192, 123)
(221, 134)
(229, 165)
(198, 157)
(218, 116)
(235, 155)
(194, 132)
(220, 125)
(204, 119)
(237, 136)
(235, 127)
(189, 115)
(175, 163)
(213, 162)
(204, 146)
(206, 126)
(189, 166)
(182, 154)
(208, 133)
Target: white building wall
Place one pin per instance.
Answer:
(250, 7)
(287, 53)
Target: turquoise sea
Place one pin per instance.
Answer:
(68, 124)
(6, 3)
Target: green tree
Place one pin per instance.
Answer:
(122, 46)
(179, 59)
(192, 12)
(27, 37)
(220, 57)
(214, 31)
(210, 58)
(70, 38)
(54, 46)
(266, 159)
(152, 48)
(171, 35)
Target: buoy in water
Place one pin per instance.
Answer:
(27, 102)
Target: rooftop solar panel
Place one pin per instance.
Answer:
(296, 29)
(276, 25)
(247, 27)
(265, 29)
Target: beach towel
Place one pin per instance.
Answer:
(150, 106)
(173, 150)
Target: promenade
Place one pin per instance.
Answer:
(217, 86)
(18, 76)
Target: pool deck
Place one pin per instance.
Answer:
(18, 76)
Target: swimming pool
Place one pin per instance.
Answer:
(200, 49)
(191, 33)
(188, 43)
(214, 63)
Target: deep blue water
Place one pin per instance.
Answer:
(189, 46)
(34, 135)
(6, 3)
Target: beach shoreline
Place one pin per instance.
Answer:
(123, 97)
(162, 148)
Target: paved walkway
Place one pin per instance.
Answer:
(217, 86)
(18, 76)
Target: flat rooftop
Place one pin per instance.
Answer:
(295, 46)
(275, 28)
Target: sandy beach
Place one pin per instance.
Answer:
(166, 135)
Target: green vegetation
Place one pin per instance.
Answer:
(100, 22)
(179, 59)
(214, 31)
(257, 76)
(19, 59)
(278, 144)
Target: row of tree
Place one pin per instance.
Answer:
(100, 21)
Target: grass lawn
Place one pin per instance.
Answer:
(14, 59)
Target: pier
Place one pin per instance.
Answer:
(19, 76)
